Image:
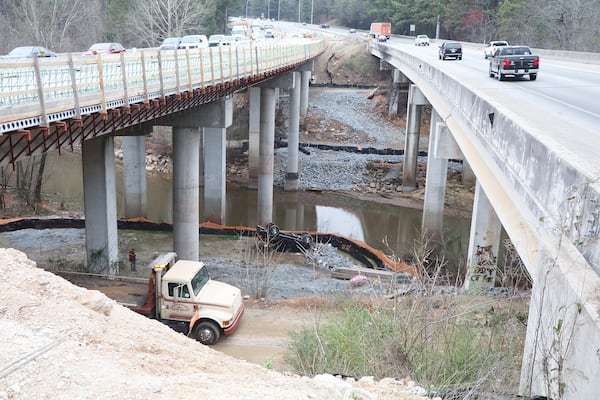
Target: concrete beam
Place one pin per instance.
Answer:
(385, 66)
(309, 66)
(399, 77)
(280, 81)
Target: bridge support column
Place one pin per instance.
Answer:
(134, 174)
(468, 176)
(267, 144)
(100, 205)
(399, 84)
(416, 101)
(306, 71)
(442, 147)
(216, 117)
(484, 242)
(253, 136)
(561, 355)
(186, 189)
(291, 177)
(266, 155)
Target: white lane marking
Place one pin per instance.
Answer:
(593, 114)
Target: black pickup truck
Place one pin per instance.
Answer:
(516, 61)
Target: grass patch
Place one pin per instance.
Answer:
(443, 342)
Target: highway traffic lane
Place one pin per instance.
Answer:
(557, 107)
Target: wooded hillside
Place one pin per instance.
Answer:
(73, 25)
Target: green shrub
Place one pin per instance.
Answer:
(443, 342)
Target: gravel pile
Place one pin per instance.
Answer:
(340, 170)
(328, 169)
(354, 109)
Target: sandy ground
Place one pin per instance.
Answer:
(60, 341)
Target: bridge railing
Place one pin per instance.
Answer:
(42, 90)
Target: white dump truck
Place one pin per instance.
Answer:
(178, 293)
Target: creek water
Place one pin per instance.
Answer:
(389, 228)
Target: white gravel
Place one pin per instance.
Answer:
(353, 108)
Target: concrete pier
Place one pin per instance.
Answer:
(416, 101)
(291, 177)
(306, 71)
(100, 205)
(215, 117)
(186, 190)
(441, 148)
(134, 176)
(267, 143)
(484, 242)
(266, 152)
(253, 136)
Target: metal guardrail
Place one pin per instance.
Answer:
(39, 91)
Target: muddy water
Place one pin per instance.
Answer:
(389, 228)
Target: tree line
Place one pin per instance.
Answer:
(73, 25)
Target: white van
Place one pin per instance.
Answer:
(193, 42)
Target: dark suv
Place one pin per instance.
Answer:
(450, 50)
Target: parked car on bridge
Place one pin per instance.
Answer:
(422, 40)
(221, 40)
(450, 50)
(193, 42)
(170, 43)
(105, 48)
(29, 52)
(492, 46)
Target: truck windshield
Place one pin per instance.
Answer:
(199, 280)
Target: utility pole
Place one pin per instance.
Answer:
(312, 8)
(299, 7)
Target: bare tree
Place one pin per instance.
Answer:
(55, 24)
(153, 20)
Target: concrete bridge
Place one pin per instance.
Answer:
(541, 189)
(547, 205)
(53, 104)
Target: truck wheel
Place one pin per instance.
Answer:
(207, 333)
(491, 73)
(532, 77)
